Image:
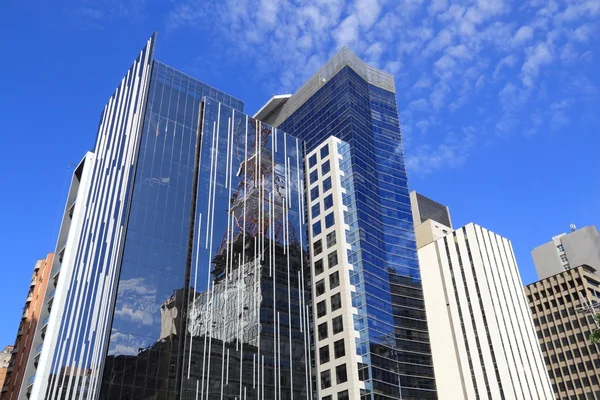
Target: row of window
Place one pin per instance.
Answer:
(556, 289)
(314, 192)
(337, 326)
(324, 151)
(572, 369)
(339, 350)
(332, 261)
(329, 222)
(336, 304)
(340, 396)
(341, 376)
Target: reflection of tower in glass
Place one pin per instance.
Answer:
(245, 330)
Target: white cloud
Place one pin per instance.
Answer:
(523, 35)
(538, 57)
(367, 12)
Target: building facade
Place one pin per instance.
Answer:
(5, 357)
(557, 304)
(482, 335)
(27, 347)
(356, 103)
(183, 260)
(568, 250)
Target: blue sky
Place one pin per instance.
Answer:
(498, 99)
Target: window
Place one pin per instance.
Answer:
(322, 329)
(318, 266)
(324, 354)
(329, 220)
(341, 375)
(563, 258)
(324, 151)
(332, 259)
(321, 308)
(336, 302)
(337, 324)
(331, 239)
(312, 161)
(320, 287)
(560, 247)
(343, 395)
(314, 176)
(338, 348)
(314, 193)
(327, 398)
(317, 228)
(325, 168)
(316, 210)
(334, 280)
(325, 379)
(317, 247)
(326, 185)
(328, 202)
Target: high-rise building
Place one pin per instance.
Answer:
(181, 261)
(558, 304)
(348, 109)
(568, 250)
(5, 357)
(28, 341)
(482, 336)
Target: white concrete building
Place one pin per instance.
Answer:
(483, 340)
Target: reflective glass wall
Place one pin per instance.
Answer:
(247, 333)
(143, 351)
(391, 315)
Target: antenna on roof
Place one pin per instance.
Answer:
(573, 227)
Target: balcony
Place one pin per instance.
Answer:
(56, 271)
(51, 296)
(20, 331)
(38, 349)
(29, 297)
(24, 313)
(15, 350)
(33, 281)
(31, 380)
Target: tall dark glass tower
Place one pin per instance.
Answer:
(356, 104)
(182, 273)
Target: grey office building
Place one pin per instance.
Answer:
(568, 250)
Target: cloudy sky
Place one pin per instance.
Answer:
(498, 99)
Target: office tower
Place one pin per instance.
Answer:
(27, 342)
(432, 219)
(567, 250)
(182, 263)
(356, 104)
(482, 336)
(5, 357)
(557, 304)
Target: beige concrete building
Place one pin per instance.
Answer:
(556, 303)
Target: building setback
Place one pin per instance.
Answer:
(27, 348)
(391, 357)
(567, 250)
(573, 362)
(482, 335)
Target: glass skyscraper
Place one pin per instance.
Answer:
(356, 104)
(184, 270)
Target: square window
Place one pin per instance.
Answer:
(314, 176)
(318, 266)
(334, 280)
(324, 354)
(332, 259)
(317, 228)
(320, 287)
(317, 247)
(343, 395)
(337, 324)
(325, 379)
(328, 202)
(331, 239)
(312, 161)
(322, 329)
(339, 349)
(324, 151)
(327, 398)
(316, 210)
(325, 167)
(326, 184)
(329, 220)
(336, 302)
(341, 375)
(321, 308)
(314, 193)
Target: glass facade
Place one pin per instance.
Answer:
(210, 301)
(393, 343)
